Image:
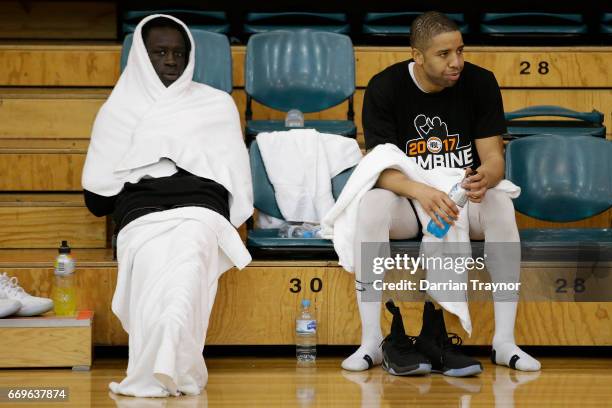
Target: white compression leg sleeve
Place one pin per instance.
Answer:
(382, 214)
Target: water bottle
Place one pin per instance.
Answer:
(299, 230)
(294, 119)
(64, 288)
(305, 336)
(459, 197)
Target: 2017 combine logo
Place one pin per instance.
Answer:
(434, 147)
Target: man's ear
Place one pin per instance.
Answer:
(417, 56)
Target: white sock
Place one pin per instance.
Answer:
(358, 361)
(504, 346)
(371, 334)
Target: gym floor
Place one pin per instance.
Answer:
(248, 381)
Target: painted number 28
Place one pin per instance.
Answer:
(542, 68)
(578, 285)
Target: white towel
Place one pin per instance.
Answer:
(143, 124)
(340, 223)
(169, 265)
(300, 164)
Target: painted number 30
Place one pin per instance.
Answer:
(316, 284)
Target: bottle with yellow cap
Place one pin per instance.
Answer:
(64, 288)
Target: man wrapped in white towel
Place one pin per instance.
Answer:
(167, 159)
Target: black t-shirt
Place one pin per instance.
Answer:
(436, 128)
(182, 189)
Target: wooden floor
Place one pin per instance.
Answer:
(277, 382)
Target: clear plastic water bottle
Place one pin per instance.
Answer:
(306, 336)
(299, 230)
(64, 287)
(459, 197)
(294, 119)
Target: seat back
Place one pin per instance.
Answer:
(213, 58)
(533, 23)
(594, 116)
(399, 22)
(215, 21)
(562, 178)
(258, 22)
(263, 191)
(584, 123)
(303, 69)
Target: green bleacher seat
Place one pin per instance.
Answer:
(398, 23)
(215, 21)
(265, 22)
(213, 58)
(562, 179)
(266, 242)
(583, 123)
(304, 69)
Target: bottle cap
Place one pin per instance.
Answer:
(64, 248)
(294, 118)
(305, 303)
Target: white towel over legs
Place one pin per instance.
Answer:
(173, 267)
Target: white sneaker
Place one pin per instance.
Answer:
(8, 306)
(30, 305)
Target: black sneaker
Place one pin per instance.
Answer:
(400, 356)
(443, 350)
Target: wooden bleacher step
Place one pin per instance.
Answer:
(49, 113)
(43, 220)
(47, 341)
(33, 168)
(258, 305)
(68, 114)
(61, 64)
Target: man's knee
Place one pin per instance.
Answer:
(375, 208)
(498, 213)
(498, 202)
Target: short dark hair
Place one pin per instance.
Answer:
(163, 22)
(428, 25)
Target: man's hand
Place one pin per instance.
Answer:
(435, 202)
(491, 171)
(476, 184)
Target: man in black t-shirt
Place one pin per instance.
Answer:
(443, 112)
